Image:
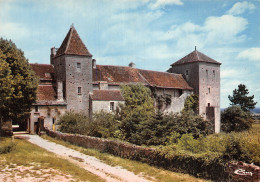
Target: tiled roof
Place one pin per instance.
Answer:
(44, 71)
(117, 74)
(195, 56)
(46, 92)
(163, 79)
(107, 95)
(122, 74)
(73, 45)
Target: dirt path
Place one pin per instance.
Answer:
(89, 163)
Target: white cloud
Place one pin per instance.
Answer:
(241, 7)
(162, 3)
(14, 31)
(252, 54)
(225, 29)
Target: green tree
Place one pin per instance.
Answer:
(235, 119)
(136, 113)
(192, 103)
(18, 82)
(240, 98)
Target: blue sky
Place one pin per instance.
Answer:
(151, 33)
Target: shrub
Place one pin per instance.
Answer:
(235, 119)
(104, 125)
(7, 147)
(73, 122)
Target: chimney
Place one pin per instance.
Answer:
(94, 63)
(53, 54)
(103, 85)
(132, 65)
(60, 91)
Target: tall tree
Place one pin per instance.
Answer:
(240, 97)
(136, 113)
(18, 82)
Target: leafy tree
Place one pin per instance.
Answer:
(104, 125)
(187, 123)
(72, 122)
(192, 103)
(240, 98)
(6, 89)
(235, 119)
(18, 82)
(136, 113)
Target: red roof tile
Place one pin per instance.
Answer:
(122, 74)
(107, 95)
(46, 92)
(117, 74)
(44, 71)
(73, 45)
(195, 56)
(163, 79)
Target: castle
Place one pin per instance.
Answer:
(74, 82)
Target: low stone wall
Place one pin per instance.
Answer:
(214, 170)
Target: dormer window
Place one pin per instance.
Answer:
(47, 75)
(78, 66)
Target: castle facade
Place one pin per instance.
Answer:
(74, 82)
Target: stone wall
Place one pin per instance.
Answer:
(51, 114)
(104, 105)
(75, 72)
(199, 167)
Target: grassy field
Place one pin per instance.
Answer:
(150, 172)
(28, 161)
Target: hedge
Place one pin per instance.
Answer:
(204, 167)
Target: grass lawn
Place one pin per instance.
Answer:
(152, 173)
(28, 161)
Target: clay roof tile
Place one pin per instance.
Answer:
(73, 45)
(107, 95)
(195, 56)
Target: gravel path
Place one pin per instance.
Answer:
(89, 163)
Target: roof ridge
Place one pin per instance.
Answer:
(144, 78)
(69, 39)
(197, 55)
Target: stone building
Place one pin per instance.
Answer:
(203, 75)
(74, 82)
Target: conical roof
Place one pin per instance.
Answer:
(73, 45)
(195, 56)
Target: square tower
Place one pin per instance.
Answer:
(203, 74)
(73, 68)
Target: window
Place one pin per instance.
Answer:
(187, 72)
(78, 65)
(214, 73)
(36, 109)
(208, 104)
(79, 90)
(209, 90)
(112, 104)
(207, 73)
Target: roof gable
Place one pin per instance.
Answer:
(73, 45)
(195, 56)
